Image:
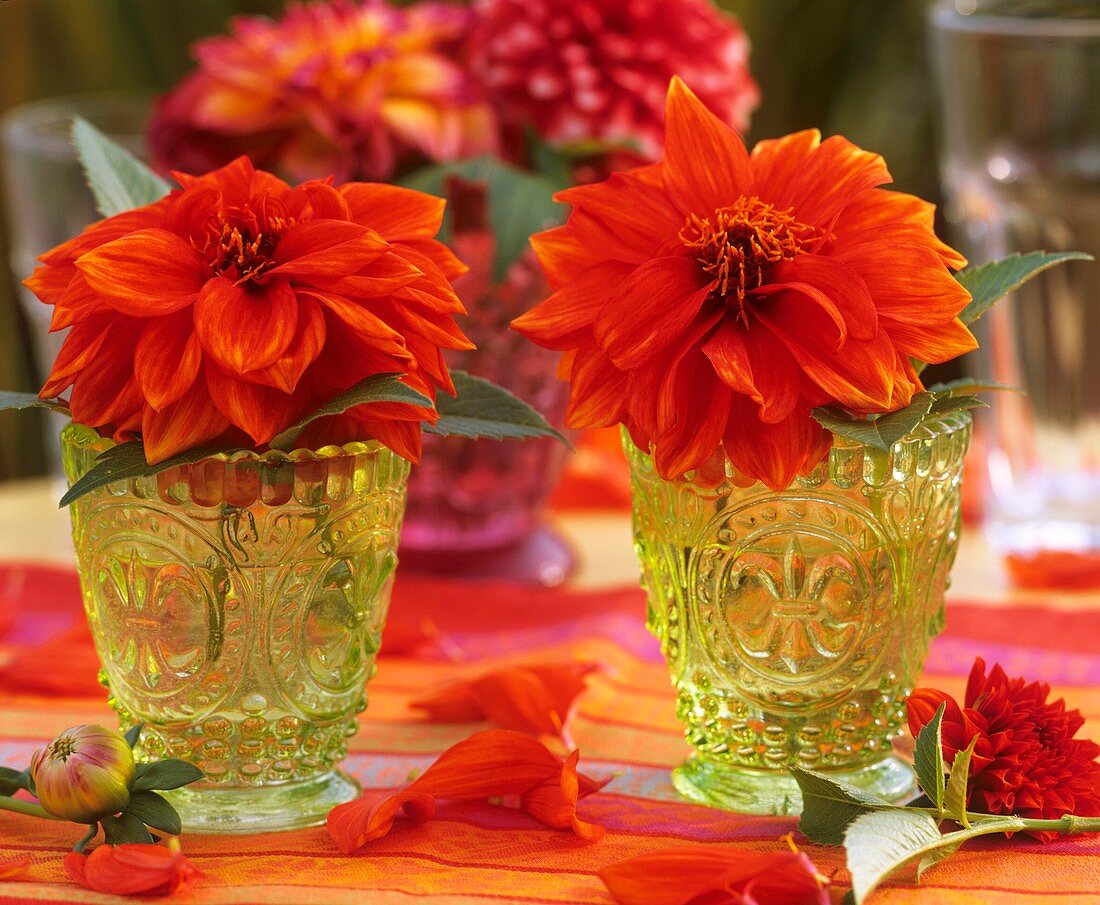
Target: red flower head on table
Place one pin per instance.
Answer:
(717, 297)
(236, 304)
(358, 89)
(598, 69)
(1026, 760)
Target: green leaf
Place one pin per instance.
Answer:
(881, 842)
(990, 282)
(152, 810)
(377, 388)
(482, 409)
(11, 781)
(947, 404)
(968, 386)
(166, 774)
(11, 401)
(119, 181)
(123, 829)
(882, 432)
(127, 460)
(928, 759)
(133, 734)
(954, 802)
(829, 806)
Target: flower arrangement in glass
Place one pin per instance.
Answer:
(757, 323)
(495, 106)
(250, 368)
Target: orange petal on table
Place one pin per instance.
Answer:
(690, 873)
(493, 763)
(554, 802)
(133, 870)
(14, 867)
(358, 822)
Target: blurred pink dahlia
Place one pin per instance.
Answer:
(359, 89)
(599, 69)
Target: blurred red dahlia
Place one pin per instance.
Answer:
(357, 88)
(1026, 760)
(599, 69)
(237, 304)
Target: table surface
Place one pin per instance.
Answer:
(625, 726)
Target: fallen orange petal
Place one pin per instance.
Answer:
(1058, 569)
(687, 873)
(488, 764)
(554, 802)
(133, 870)
(13, 867)
(356, 823)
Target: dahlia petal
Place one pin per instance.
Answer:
(859, 376)
(79, 349)
(104, 231)
(325, 202)
(108, 391)
(133, 869)
(757, 364)
(355, 823)
(361, 320)
(394, 212)
(78, 302)
(574, 306)
(597, 389)
(694, 134)
(404, 437)
(777, 163)
(189, 421)
(260, 411)
(326, 248)
(50, 283)
(309, 339)
(145, 273)
(650, 309)
(383, 276)
(421, 252)
(840, 291)
(773, 453)
(948, 341)
(492, 763)
(246, 327)
(408, 319)
(554, 803)
(167, 358)
(563, 256)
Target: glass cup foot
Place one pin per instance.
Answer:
(267, 809)
(747, 791)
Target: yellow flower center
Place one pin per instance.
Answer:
(240, 257)
(736, 244)
(62, 748)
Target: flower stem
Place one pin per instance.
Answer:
(1069, 825)
(31, 808)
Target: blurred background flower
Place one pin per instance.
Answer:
(847, 66)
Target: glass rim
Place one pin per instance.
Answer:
(42, 125)
(946, 16)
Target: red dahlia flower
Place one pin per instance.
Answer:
(717, 297)
(1026, 760)
(235, 305)
(599, 69)
(359, 89)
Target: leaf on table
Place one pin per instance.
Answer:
(483, 409)
(954, 801)
(928, 759)
(829, 806)
(373, 389)
(881, 432)
(988, 283)
(881, 842)
(118, 180)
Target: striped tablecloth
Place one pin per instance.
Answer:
(481, 853)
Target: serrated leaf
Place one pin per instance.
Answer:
(954, 801)
(928, 759)
(16, 402)
(166, 774)
(880, 433)
(881, 842)
(968, 386)
(990, 282)
(132, 735)
(947, 404)
(153, 810)
(376, 388)
(124, 829)
(829, 806)
(483, 409)
(119, 181)
(126, 461)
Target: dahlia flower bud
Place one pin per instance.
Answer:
(84, 774)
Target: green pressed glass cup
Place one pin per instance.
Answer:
(237, 605)
(795, 623)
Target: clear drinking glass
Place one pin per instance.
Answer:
(1020, 85)
(46, 198)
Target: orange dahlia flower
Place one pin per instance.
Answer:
(715, 298)
(358, 89)
(235, 305)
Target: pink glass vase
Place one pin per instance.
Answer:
(476, 507)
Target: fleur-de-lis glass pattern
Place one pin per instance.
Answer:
(237, 606)
(796, 623)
